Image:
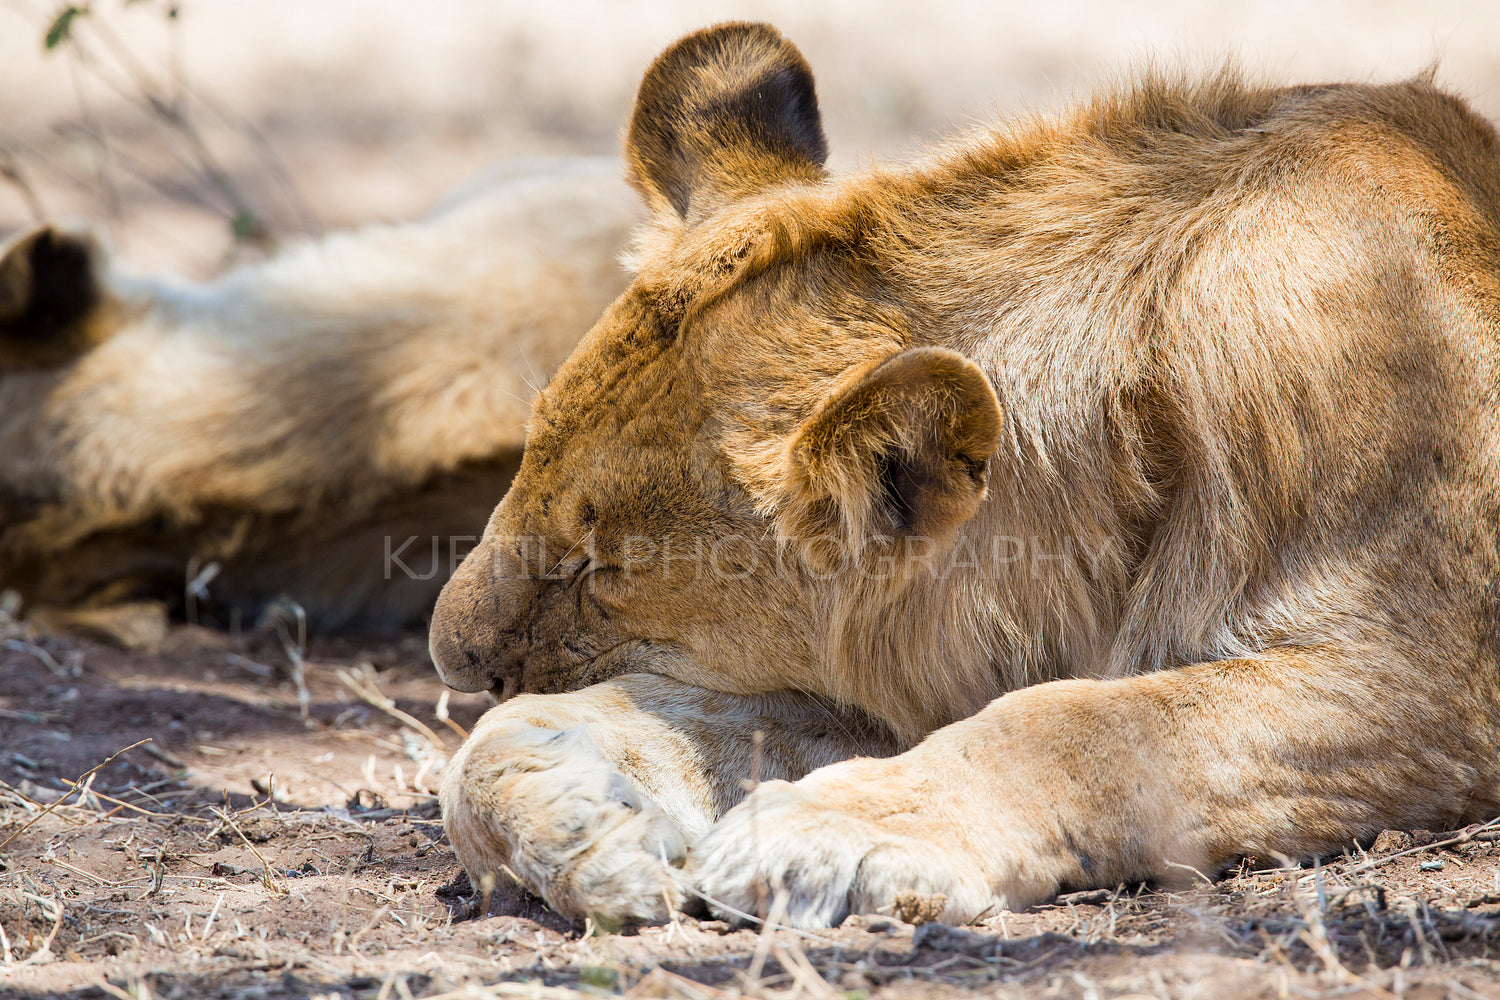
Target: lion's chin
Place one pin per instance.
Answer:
(504, 690)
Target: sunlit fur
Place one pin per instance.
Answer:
(1243, 374)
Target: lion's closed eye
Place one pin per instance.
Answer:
(606, 584)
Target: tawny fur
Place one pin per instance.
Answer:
(297, 420)
(591, 797)
(1176, 543)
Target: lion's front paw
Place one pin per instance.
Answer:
(547, 806)
(831, 863)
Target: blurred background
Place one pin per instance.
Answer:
(202, 132)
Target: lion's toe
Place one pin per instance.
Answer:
(828, 864)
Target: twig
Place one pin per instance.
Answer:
(103, 175)
(1174, 864)
(58, 170)
(79, 871)
(795, 960)
(100, 983)
(148, 92)
(133, 808)
(307, 219)
(87, 774)
(362, 683)
(1472, 833)
(533, 990)
(195, 585)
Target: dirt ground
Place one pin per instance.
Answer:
(269, 842)
(251, 850)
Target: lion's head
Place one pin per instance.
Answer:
(756, 441)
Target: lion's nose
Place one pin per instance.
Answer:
(476, 623)
(459, 665)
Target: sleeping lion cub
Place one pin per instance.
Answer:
(1099, 499)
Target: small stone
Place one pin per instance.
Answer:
(853, 981)
(1391, 841)
(917, 908)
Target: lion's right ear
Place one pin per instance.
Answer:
(50, 290)
(721, 114)
(900, 450)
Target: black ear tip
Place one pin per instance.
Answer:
(740, 87)
(49, 284)
(738, 52)
(782, 106)
(58, 256)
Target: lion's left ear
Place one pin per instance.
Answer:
(50, 289)
(721, 114)
(901, 449)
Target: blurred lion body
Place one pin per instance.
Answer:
(294, 421)
(1191, 397)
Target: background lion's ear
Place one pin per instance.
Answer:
(720, 114)
(50, 288)
(901, 449)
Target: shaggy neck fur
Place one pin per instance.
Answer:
(1164, 297)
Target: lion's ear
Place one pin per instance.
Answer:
(50, 288)
(901, 449)
(721, 114)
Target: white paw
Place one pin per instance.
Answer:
(783, 839)
(547, 806)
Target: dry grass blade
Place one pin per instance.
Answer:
(362, 682)
(804, 975)
(82, 872)
(283, 614)
(43, 953)
(105, 986)
(80, 779)
(35, 718)
(763, 943)
(750, 918)
(208, 924)
(122, 804)
(441, 711)
(48, 660)
(266, 879)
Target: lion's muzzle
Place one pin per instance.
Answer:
(478, 635)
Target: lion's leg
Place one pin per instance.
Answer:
(1078, 784)
(590, 798)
